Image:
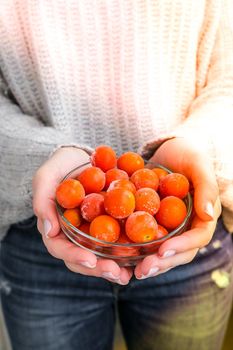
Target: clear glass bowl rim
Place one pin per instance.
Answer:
(129, 245)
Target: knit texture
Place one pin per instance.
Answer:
(124, 73)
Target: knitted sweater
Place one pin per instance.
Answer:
(128, 74)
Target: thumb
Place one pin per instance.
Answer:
(44, 205)
(179, 154)
(205, 189)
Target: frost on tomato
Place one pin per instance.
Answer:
(141, 227)
(92, 206)
(119, 203)
(145, 178)
(115, 174)
(122, 183)
(147, 200)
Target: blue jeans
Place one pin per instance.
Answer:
(48, 307)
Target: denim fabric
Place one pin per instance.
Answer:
(47, 307)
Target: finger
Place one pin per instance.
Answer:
(40, 226)
(194, 238)
(153, 265)
(199, 236)
(205, 187)
(106, 269)
(78, 268)
(126, 275)
(110, 270)
(44, 203)
(180, 155)
(61, 248)
(46, 181)
(129, 271)
(160, 272)
(81, 260)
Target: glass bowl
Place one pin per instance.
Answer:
(125, 254)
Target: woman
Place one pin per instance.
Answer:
(151, 74)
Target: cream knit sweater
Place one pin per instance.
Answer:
(119, 72)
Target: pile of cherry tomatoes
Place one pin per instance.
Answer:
(121, 200)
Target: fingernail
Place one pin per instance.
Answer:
(47, 228)
(109, 275)
(209, 210)
(152, 272)
(117, 280)
(87, 264)
(169, 253)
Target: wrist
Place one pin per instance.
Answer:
(69, 149)
(72, 146)
(72, 152)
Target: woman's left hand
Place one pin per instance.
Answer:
(181, 155)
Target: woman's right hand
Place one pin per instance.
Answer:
(78, 260)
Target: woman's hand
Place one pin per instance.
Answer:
(76, 259)
(182, 156)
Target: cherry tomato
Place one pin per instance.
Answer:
(106, 228)
(70, 193)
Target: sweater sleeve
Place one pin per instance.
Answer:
(25, 143)
(209, 119)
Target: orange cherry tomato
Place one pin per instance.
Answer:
(147, 200)
(172, 212)
(85, 227)
(104, 157)
(115, 174)
(141, 227)
(70, 193)
(124, 251)
(162, 232)
(73, 216)
(119, 203)
(92, 179)
(174, 185)
(122, 183)
(103, 193)
(92, 206)
(145, 178)
(130, 162)
(160, 172)
(106, 228)
(124, 239)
